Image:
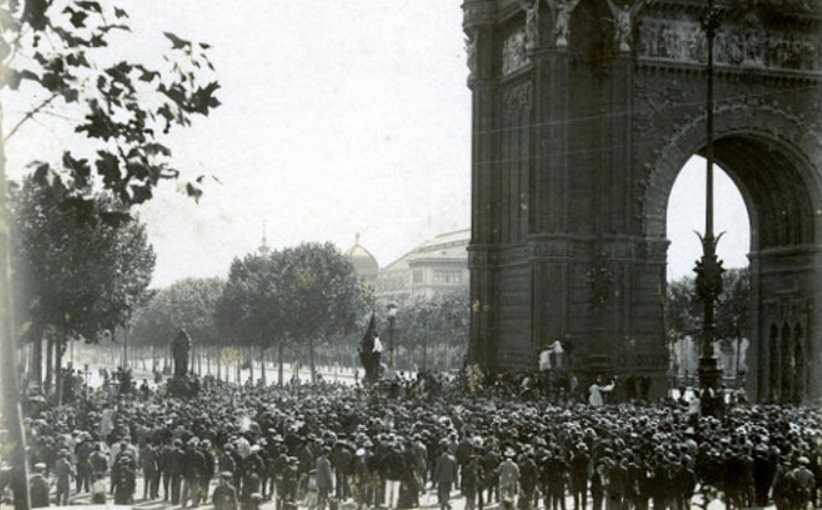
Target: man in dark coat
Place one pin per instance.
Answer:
(325, 480)
(82, 453)
(193, 470)
(445, 474)
(150, 466)
(39, 487)
(225, 495)
(528, 477)
(580, 464)
(175, 469)
(554, 473)
(341, 459)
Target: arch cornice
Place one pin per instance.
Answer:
(792, 135)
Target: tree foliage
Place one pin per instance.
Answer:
(190, 303)
(732, 312)
(300, 297)
(62, 52)
(73, 271)
(439, 324)
(684, 312)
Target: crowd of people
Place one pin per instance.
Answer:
(393, 446)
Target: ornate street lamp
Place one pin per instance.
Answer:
(392, 319)
(709, 269)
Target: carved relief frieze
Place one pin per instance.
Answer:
(514, 52)
(746, 43)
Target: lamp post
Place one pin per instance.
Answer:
(392, 319)
(709, 269)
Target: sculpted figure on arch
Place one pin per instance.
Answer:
(562, 10)
(624, 17)
(531, 8)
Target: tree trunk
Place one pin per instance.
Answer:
(262, 365)
(49, 363)
(153, 358)
(280, 349)
(239, 362)
(311, 360)
(36, 372)
(10, 393)
(58, 367)
(219, 358)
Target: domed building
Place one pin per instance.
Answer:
(364, 263)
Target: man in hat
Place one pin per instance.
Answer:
(804, 481)
(149, 464)
(395, 468)
(225, 495)
(82, 453)
(341, 459)
(445, 474)
(580, 468)
(529, 475)
(39, 487)
(64, 471)
(193, 470)
(471, 476)
(324, 477)
(175, 469)
(508, 480)
(554, 473)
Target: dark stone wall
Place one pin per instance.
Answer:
(575, 149)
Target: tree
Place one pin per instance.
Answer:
(296, 297)
(437, 324)
(249, 311)
(322, 293)
(683, 308)
(77, 275)
(59, 49)
(734, 309)
(190, 303)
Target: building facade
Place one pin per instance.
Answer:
(437, 266)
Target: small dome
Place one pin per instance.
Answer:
(364, 263)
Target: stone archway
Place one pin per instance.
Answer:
(576, 142)
(782, 191)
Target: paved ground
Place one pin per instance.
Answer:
(428, 501)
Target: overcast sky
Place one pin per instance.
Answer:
(337, 118)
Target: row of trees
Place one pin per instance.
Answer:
(303, 304)
(59, 62)
(733, 320)
(75, 275)
(292, 300)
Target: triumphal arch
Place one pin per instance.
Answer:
(584, 112)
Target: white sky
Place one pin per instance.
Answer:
(337, 118)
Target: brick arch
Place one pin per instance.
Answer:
(768, 153)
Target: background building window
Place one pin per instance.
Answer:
(417, 276)
(448, 277)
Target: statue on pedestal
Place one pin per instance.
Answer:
(531, 9)
(180, 348)
(624, 17)
(562, 10)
